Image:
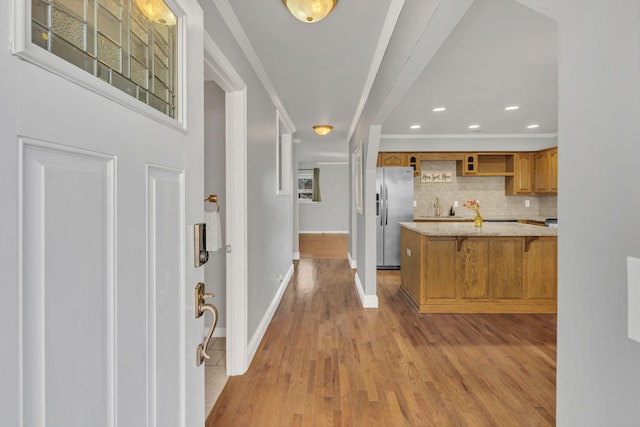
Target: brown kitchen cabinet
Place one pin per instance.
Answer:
(486, 164)
(522, 180)
(479, 274)
(414, 162)
(546, 171)
(392, 159)
(540, 269)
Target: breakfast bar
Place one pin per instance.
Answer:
(455, 267)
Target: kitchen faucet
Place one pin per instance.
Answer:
(436, 204)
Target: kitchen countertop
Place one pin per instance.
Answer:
(470, 218)
(487, 229)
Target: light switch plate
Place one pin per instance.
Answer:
(633, 289)
(408, 252)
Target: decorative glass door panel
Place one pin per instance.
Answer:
(114, 41)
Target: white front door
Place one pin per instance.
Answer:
(98, 202)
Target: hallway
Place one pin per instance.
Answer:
(326, 361)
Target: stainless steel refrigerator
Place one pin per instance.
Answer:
(394, 204)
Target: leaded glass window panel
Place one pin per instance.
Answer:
(114, 41)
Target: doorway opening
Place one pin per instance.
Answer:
(225, 175)
(215, 270)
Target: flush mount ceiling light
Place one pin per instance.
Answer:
(414, 127)
(533, 126)
(322, 130)
(310, 11)
(156, 11)
(511, 107)
(438, 109)
(474, 126)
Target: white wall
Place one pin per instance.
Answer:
(332, 213)
(214, 183)
(598, 380)
(269, 219)
(411, 23)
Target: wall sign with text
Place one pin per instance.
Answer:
(436, 177)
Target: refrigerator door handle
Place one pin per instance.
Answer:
(381, 204)
(386, 205)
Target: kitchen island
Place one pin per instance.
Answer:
(455, 267)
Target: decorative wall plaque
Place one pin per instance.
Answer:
(436, 177)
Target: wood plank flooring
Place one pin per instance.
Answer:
(326, 361)
(316, 245)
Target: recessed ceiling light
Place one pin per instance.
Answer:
(511, 107)
(533, 126)
(474, 126)
(415, 126)
(438, 109)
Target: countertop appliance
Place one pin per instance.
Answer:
(394, 204)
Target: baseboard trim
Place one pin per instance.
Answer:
(268, 316)
(325, 232)
(367, 301)
(352, 262)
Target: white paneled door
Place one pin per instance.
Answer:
(97, 274)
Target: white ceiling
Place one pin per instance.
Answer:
(501, 53)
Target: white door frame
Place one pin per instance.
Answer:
(218, 67)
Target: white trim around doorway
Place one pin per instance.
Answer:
(218, 68)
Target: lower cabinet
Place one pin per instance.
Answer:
(540, 269)
(458, 274)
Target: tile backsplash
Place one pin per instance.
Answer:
(488, 190)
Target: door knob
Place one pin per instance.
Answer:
(200, 306)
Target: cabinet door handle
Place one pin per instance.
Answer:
(199, 308)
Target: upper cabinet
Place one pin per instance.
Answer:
(392, 159)
(546, 171)
(414, 162)
(522, 180)
(525, 172)
(486, 164)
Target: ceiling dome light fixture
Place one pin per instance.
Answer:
(322, 130)
(310, 11)
(157, 11)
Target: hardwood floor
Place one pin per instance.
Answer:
(331, 245)
(324, 360)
